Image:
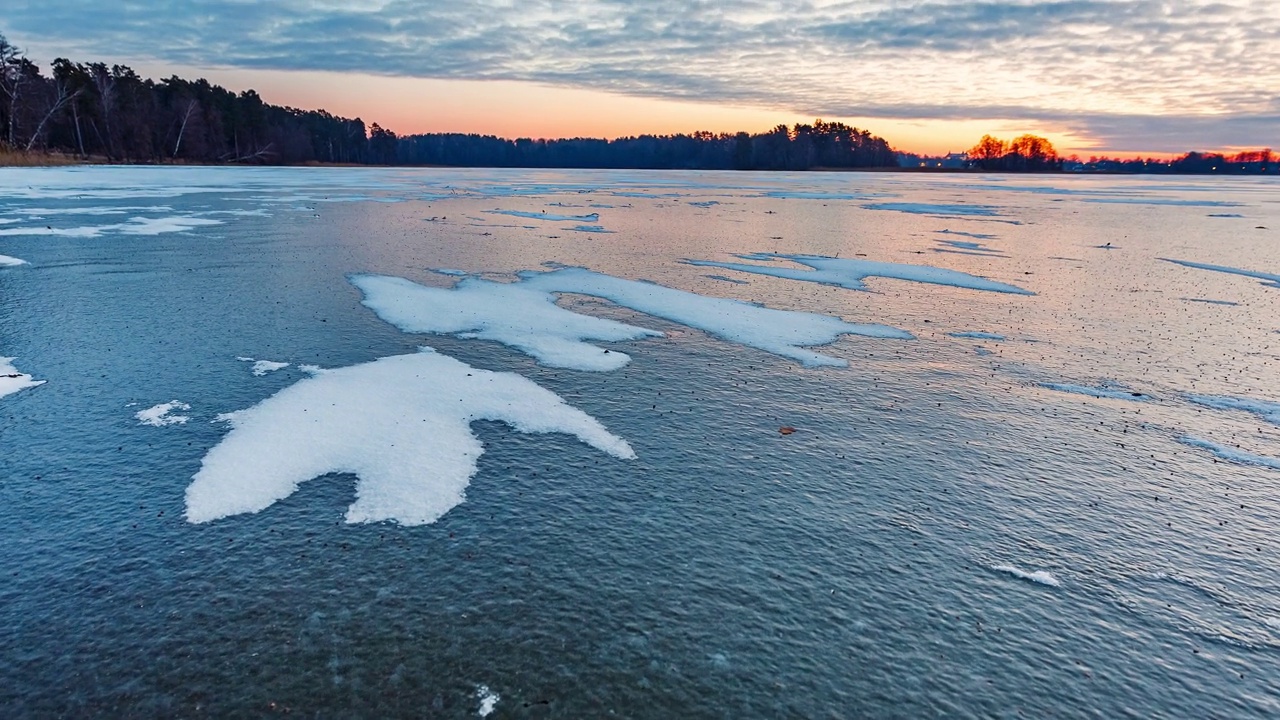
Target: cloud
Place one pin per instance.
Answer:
(1196, 72)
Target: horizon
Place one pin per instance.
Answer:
(929, 77)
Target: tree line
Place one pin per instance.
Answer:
(1248, 162)
(94, 110)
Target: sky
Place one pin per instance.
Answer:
(1094, 76)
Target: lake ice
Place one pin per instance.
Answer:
(687, 443)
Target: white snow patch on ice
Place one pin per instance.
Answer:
(1269, 279)
(159, 415)
(6, 261)
(1231, 454)
(933, 208)
(135, 226)
(1267, 410)
(401, 424)
(849, 273)
(1042, 577)
(11, 381)
(1105, 390)
(262, 367)
(513, 314)
(488, 700)
(524, 315)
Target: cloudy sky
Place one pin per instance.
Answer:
(930, 75)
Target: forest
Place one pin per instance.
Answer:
(92, 111)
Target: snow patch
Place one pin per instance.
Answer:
(1042, 577)
(262, 367)
(1269, 279)
(135, 226)
(11, 381)
(848, 273)
(977, 335)
(6, 261)
(1231, 454)
(1105, 390)
(946, 210)
(488, 700)
(523, 315)
(1265, 409)
(401, 424)
(159, 415)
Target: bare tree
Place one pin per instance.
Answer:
(63, 95)
(13, 76)
(186, 116)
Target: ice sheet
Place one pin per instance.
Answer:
(11, 381)
(1269, 279)
(1265, 409)
(1231, 454)
(849, 273)
(160, 415)
(401, 424)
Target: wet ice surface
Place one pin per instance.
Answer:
(895, 554)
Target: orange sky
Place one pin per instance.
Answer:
(522, 109)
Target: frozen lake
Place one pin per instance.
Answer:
(357, 442)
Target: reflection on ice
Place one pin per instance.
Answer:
(400, 424)
(11, 381)
(524, 315)
(848, 273)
